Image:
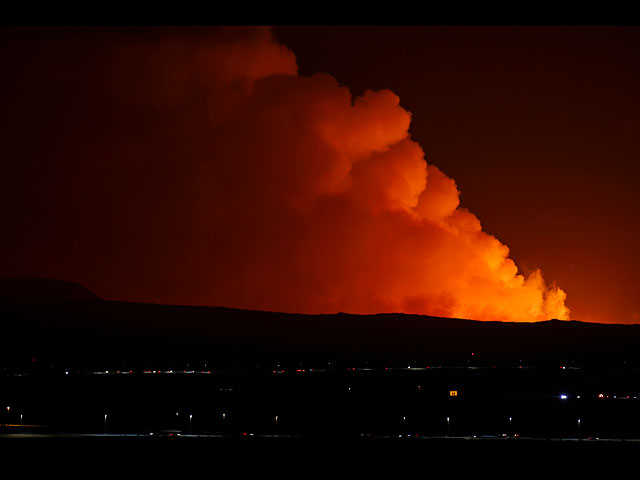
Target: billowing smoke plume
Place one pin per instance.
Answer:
(198, 167)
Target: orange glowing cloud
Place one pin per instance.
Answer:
(238, 182)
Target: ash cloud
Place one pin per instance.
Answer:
(197, 167)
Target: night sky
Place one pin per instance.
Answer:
(216, 166)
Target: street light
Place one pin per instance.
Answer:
(447, 426)
(276, 424)
(105, 423)
(190, 417)
(579, 432)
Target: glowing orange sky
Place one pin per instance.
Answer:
(199, 166)
(537, 125)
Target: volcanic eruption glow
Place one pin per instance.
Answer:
(211, 173)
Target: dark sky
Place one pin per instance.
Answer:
(539, 127)
(190, 165)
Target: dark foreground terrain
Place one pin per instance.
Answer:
(46, 319)
(83, 375)
(281, 449)
(331, 409)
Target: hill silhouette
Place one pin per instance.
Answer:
(37, 289)
(71, 322)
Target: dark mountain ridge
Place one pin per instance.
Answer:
(38, 289)
(86, 327)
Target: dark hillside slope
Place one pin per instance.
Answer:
(91, 328)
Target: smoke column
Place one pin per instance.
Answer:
(197, 167)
